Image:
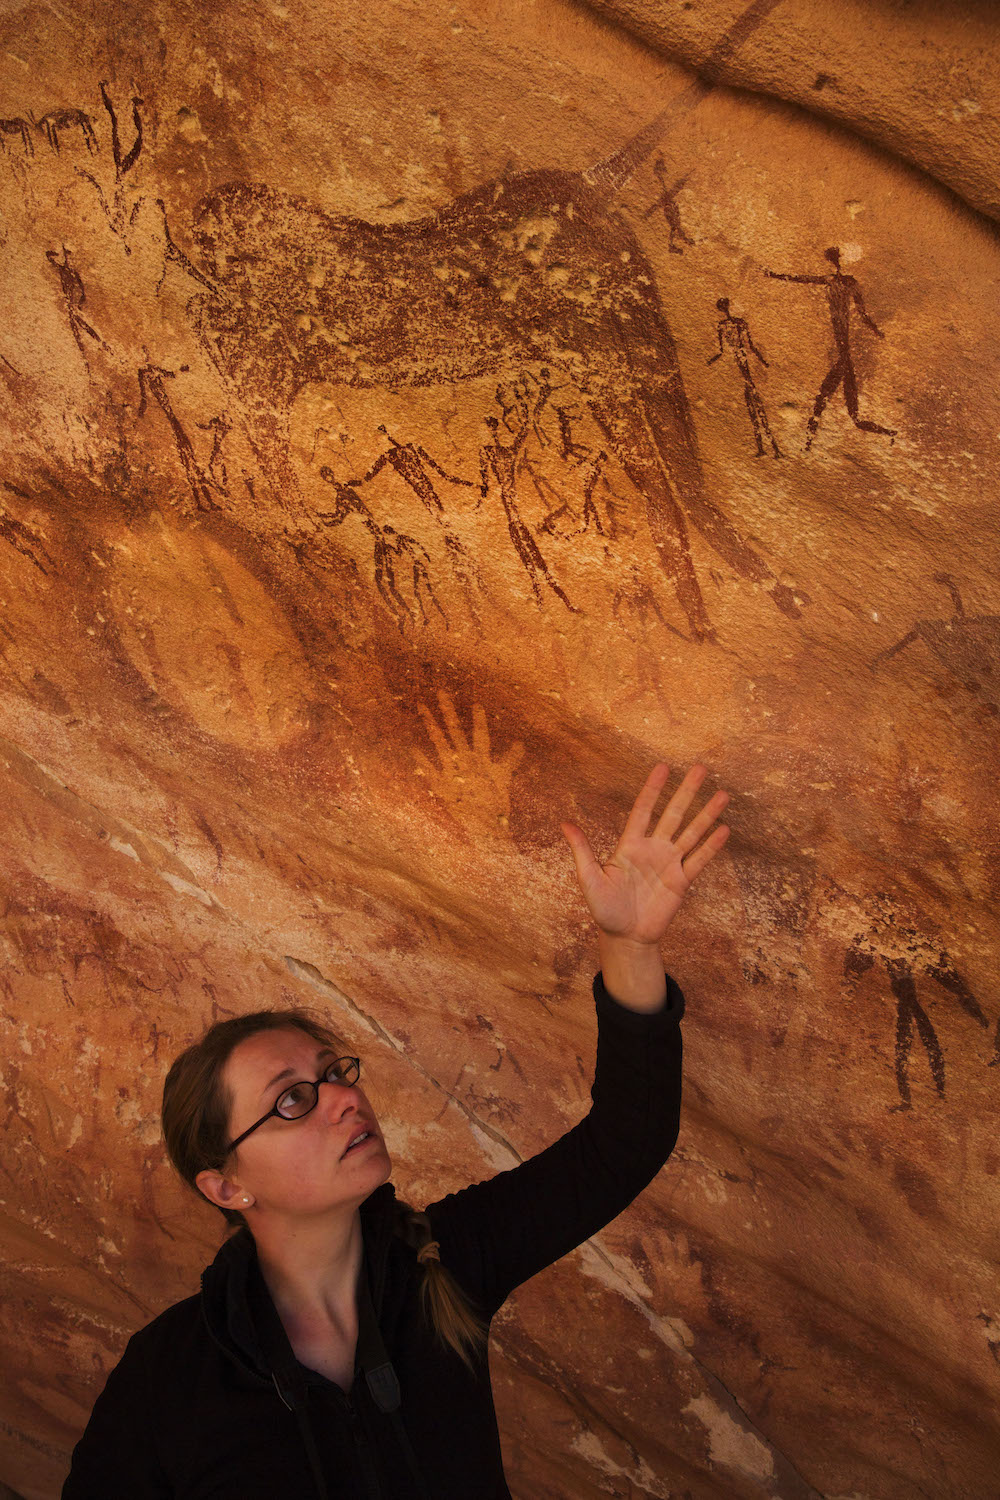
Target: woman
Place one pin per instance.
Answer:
(337, 1348)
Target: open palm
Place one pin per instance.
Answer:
(638, 892)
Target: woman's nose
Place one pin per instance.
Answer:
(336, 1099)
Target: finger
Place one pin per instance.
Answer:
(513, 757)
(480, 732)
(450, 717)
(637, 823)
(673, 814)
(699, 825)
(442, 745)
(696, 862)
(588, 867)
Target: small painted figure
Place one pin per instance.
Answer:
(151, 378)
(19, 127)
(390, 548)
(124, 161)
(74, 296)
(967, 645)
(411, 462)
(67, 119)
(667, 202)
(735, 333)
(503, 460)
(911, 1017)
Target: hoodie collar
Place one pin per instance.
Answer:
(231, 1283)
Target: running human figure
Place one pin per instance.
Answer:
(734, 332)
(667, 202)
(841, 291)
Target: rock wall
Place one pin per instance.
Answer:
(419, 419)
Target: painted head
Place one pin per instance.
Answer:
(292, 1164)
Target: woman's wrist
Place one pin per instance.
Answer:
(633, 972)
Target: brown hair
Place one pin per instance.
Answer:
(195, 1116)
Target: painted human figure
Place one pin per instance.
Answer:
(595, 475)
(734, 333)
(530, 408)
(411, 462)
(543, 399)
(590, 511)
(503, 460)
(220, 428)
(151, 378)
(389, 547)
(667, 203)
(922, 961)
(841, 292)
(74, 296)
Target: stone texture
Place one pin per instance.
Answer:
(372, 501)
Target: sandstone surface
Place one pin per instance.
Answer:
(418, 420)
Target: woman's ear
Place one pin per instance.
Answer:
(222, 1191)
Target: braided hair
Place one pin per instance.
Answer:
(445, 1305)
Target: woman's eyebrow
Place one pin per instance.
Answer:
(290, 1072)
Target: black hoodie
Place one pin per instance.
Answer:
(201, 1405)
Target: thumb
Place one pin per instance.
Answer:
(588, 868)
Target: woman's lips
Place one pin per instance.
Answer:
(369, 1140)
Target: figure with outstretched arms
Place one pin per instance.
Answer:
(842, 294)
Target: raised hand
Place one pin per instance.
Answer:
(637, 894)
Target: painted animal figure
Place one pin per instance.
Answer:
(17, 126)
(67, 119)
(968, 645)
(529, 271)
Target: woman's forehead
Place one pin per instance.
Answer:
(255, 1061)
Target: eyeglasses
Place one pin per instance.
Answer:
(302, 1097)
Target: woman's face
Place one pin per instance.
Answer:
(299, 1166)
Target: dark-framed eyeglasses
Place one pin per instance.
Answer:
(302, 1097)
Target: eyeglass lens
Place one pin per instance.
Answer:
(301, 1097)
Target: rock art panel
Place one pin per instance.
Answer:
(192, 620)
(414, 425)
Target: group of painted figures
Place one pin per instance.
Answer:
(842, 294)
(548, 432)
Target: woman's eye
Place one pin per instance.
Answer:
(295, 1097)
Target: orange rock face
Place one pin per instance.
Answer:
(417, 422)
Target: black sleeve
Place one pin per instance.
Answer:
(115, 1458)
(497, 1233)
